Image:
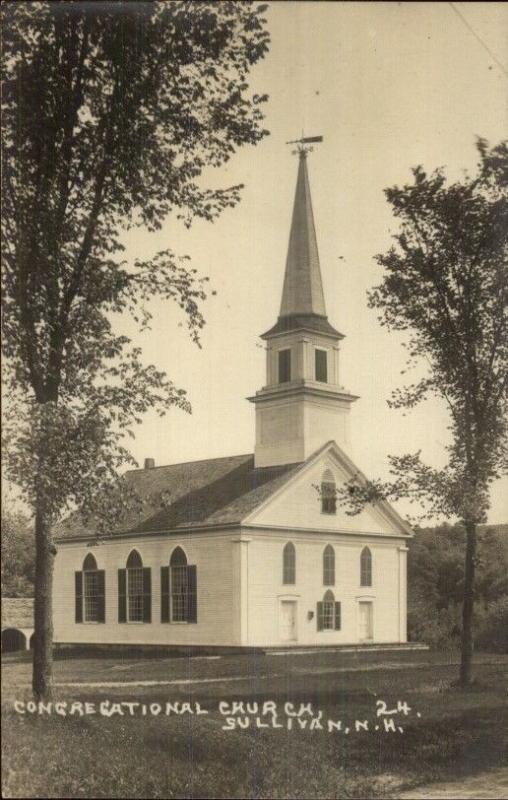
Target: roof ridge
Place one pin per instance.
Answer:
(183, 463)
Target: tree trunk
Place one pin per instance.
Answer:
(466, 663)
(42, 677)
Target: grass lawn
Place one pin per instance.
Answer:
(192, 756)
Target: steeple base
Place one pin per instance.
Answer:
(295, 419)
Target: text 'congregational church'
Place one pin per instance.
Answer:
(247, 552)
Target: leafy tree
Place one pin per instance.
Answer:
(17, 554)
(112, 115)
(446, 286)
(436, 584)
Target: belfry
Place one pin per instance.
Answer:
(302, 406)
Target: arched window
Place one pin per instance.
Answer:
(328, 613)
(366, 567)
(134, 591)
(329, 566)
(134, 561)
(89, 563)
(289, 564)
(179, 585)
(179, 589)
(90, 592)
(328, 493)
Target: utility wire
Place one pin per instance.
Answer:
(479, 39)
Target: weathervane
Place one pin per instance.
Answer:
(303, 145)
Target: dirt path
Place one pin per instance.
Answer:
(492, 785)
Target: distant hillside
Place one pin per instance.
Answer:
(436, 580)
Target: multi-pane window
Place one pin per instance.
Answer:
(179, 594)
(179, 601)
(321, 365)
(134, 591)
(328, 613)
(328, 493)
(366, 567)
(135, 594)
(90, 596)
(284, 366)
(179, 586)
(289, 564)
(328, 566)
(90, 592)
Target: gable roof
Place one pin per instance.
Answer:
(213, 492)
(350, 468)
(210, 493)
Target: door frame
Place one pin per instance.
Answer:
(366, 601)
(287, 599)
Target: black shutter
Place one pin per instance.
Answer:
(122, 595)
(319, 616)
(101, 596)
(78, 593)
(147, 594)
(164, 594)
(192, 588)
(337, 616)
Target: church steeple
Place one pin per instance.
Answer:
(303, 302)
(302, 406)
(303, 286)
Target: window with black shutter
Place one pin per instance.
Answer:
(135, 591)
(90, 603)
(179, 590)
(328, 613)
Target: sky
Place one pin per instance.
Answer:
(388, 86)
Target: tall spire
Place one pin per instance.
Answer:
(303, 287)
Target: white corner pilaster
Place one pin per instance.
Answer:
(241, 586)
(403, 551)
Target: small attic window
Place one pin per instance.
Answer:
(284, 366)
(328, 493)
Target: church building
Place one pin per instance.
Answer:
(252, 550)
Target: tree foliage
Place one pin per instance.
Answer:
(18, 561)
(436, 585)
(445, 286)
(113, 116)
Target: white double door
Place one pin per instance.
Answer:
(287, 620)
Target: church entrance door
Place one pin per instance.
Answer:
(287, 620)
(366, 626)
